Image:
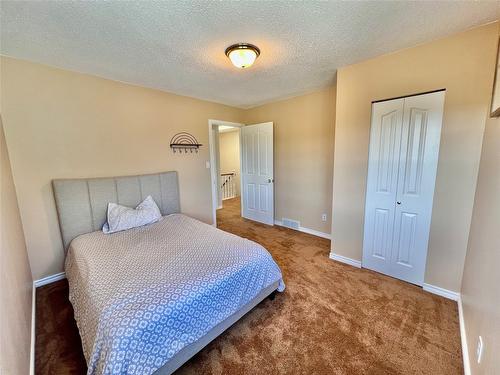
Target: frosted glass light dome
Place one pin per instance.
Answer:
(242, 55)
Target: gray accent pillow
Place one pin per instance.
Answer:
(123, 218)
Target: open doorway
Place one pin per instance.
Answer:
(225, 166)
(242, 173)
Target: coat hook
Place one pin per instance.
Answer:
(184, 141)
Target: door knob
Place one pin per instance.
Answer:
(398, 202)
(270, 180)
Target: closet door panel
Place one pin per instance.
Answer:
(383, 165)
(419, 153)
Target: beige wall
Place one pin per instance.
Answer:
(60, 124)
(481, 279)
(463, 64)
(229, 149)
(15, 277)
(303, 155)
(480, 294)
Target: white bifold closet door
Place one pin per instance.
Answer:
(402, 165)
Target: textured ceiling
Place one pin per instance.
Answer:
(179, 46)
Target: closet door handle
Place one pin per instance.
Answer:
(398, 202)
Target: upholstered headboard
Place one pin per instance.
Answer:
(82, 203)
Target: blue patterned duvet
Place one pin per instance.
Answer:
(142, 295)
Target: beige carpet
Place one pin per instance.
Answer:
(332, 319)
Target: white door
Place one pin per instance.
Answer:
(257, 173)
(381, 190)
(404, 151)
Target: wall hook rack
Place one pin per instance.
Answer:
(184, 141)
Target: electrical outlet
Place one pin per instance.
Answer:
(323, 217)
(479, 349)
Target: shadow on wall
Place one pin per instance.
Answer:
(53, 231)
(15, 276)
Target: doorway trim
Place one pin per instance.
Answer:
(213, 170)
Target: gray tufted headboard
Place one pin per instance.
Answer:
(82, 203)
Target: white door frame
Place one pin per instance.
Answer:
(213, 170)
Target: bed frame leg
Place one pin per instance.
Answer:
(272, 296)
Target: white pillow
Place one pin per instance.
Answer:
(122, 218)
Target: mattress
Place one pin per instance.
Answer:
(142, 295)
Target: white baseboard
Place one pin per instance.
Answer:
(463, 338)
(455, 296)
(346, 260)
(33, 330)
(314, 232)
(49, 279)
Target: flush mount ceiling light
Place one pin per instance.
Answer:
(242, 55)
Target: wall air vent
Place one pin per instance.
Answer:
(289, 223)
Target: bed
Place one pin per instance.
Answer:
(147, 299)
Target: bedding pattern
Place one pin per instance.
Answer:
(142, 295)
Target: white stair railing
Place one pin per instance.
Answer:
(227, 185)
